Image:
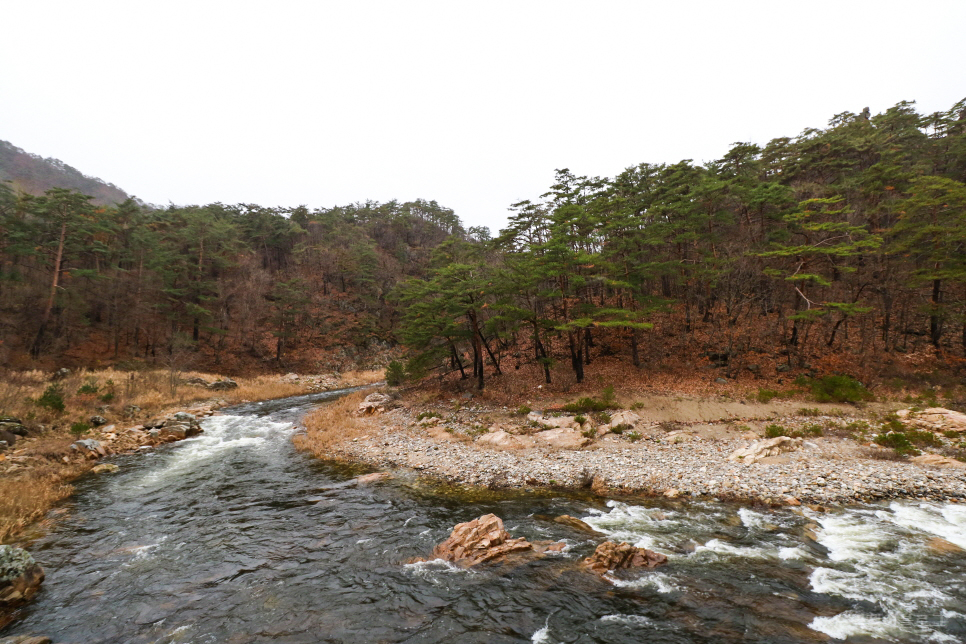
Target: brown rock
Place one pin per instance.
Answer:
(614, 556)
(576, 524)
(500, 440)
(19, 590)
(563, 438)
(479, 540)
(372, 478)
(938, 461)
(943, 547)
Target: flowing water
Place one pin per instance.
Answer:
(235, 537)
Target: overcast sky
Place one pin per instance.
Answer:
(471, 104)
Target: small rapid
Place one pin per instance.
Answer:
(234, 536)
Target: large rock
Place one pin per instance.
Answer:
(625, 417)
(938, 461)
(20, 577)
(563, 438)
(374, 404)
(763, 449)
(936, 418)
(576, 524)
(614, 556)
(13, 425)
(479, 540)
(500, 440)
(89, 448)
(222, 385)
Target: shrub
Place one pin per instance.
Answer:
(949, 433)
(840, 388)
(813, 430)
(774, 431)
(428, 414)
(107, 397)
(637, 406)
(633, 436)
(765, 395)
(585, 405)
(898, 442)
(522, 410)
(80, 428)
(395, 374)
(580, 420)
(621, 428)
(809, 411)
(589, 433)
(89, 387)
(923, 438)
(52, 398)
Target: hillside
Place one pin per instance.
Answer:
(33, 174)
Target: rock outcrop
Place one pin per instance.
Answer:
(563, 438)
(614, 556)
(936, 418)
(20, 578)
(763, 449)
(938, 461)
(222, 385)
(374, 404)
(500, 440)
(480, 540)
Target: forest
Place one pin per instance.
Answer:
(842, 243)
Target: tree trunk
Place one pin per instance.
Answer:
(45, 318)
(935, 319)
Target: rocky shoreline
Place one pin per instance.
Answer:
(818, 470)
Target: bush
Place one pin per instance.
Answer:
(923, 438)
(587, 405)
(898, 442)
(774, 431)
(843, 389)
(89, 387)
(950, 433)
(395, 374)
(522, 410)
(633, 436)
(809, 411)
(428, 414)
(621, 428)
(52, 398)
(80, 428)
(580, 420)
(765, 395)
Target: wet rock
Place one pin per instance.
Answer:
(222, 385)
(173, 432)
(615, 556)
(105, 468)
(576, 524)
(501, 440)
(940, 546)
(89, 448)
(563, 438)
(372, 478)
(374, 404)
(97, 421)
(20, 577)
(480, 540)
(763, 449)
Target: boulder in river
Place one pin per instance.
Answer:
(20, 577)
(480, 540)
(576, 524)
(614, 556)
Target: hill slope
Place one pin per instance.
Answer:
(34, 174)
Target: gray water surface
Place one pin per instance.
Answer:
(233, 536)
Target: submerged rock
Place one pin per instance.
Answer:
(614, 556)
(576, 524)
(479, 540)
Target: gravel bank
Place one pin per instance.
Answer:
(825, 470)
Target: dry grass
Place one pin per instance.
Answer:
(331, 424)
(26, 498)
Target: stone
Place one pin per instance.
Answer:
(197, 382)
(20, 577)
(721, 381)
(130, 411)
(61, 373)
(374, 404)
(365, 479)
(940, 546)
(625, 417)
(938, 461)
(89, 447)
(563, 438)
(500, 440)
(783, 368)
(222, 385)
(290, 377)
(26, 639)
(946, 419)
(105, 467)
(672, 493)
(183, 417)
(576, 524)
(97, 421)
(763, 449)
(615, 556)
(480, 540)
(9, 438)
(173, 432)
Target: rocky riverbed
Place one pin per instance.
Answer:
(692, 461)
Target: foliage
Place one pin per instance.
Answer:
(774, 431)
(898, 442)
(79, 428)
(52, 398)
(395, 374)
(838, 388)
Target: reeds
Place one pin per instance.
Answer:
(332, 424)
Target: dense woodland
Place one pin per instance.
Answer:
(847, 241)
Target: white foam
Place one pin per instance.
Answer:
(752, 519)
(792, 553)
(658, 581)
(719, 547)
(429, 568)
(947, 522)
(849, 623)
(630, 620)
(542, 636)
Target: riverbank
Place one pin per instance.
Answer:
(834, 462)
(35, 472)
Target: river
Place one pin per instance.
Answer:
(235, 537)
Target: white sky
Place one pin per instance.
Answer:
(471, 104)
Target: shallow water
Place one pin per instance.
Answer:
(233, 536)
